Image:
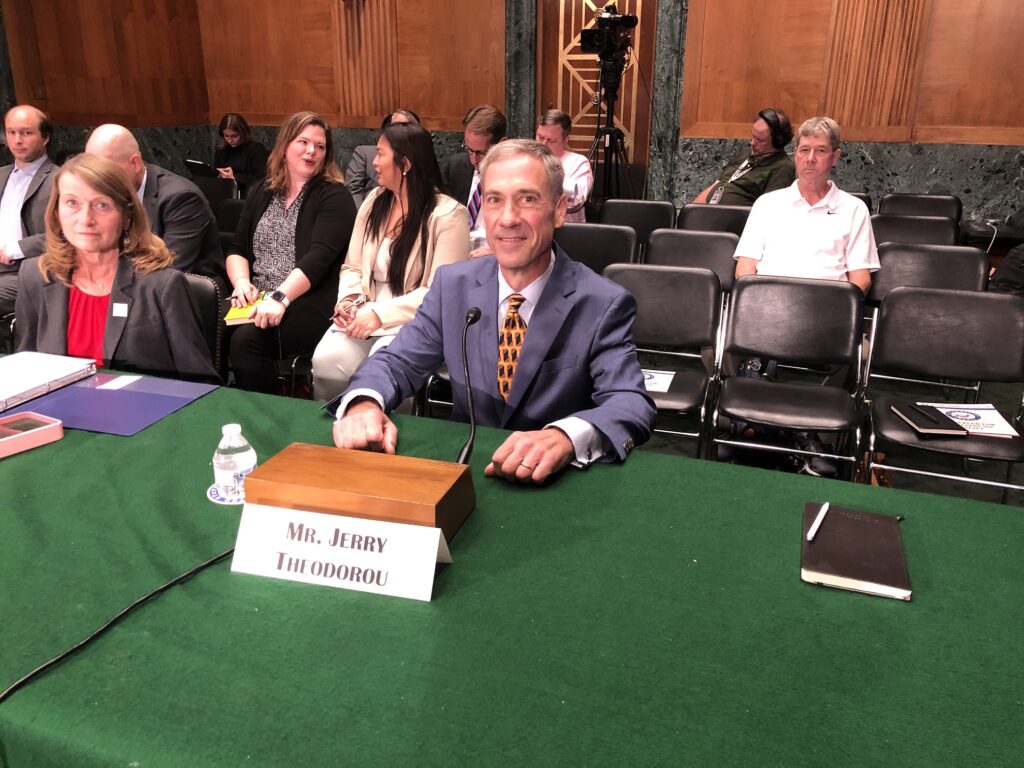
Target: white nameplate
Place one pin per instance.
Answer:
(657, 381)
(348, 552)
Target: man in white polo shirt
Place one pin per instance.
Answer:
(812, 228)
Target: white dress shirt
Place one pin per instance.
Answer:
(11, 203)
(579, 179)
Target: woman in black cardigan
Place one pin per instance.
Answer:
(237, 156)
(290, 242)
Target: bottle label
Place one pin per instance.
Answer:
(229, 480)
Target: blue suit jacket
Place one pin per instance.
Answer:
(578, 358)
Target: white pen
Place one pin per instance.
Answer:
(817, 522)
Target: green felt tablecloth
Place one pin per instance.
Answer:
(649, 613)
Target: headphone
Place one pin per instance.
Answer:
(779, 125)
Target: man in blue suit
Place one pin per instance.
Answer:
(568, 379)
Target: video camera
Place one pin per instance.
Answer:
(610, 39)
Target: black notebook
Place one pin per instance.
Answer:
(855, 550)
(928, 420)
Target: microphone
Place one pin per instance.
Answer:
(471, 317)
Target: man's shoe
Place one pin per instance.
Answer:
(815, 465)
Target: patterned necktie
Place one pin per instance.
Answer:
(474, 206)
(510, 342)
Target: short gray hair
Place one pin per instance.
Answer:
(506, 150)
(821, 126)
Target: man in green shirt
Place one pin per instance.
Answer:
(765, 167)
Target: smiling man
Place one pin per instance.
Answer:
(551, 355)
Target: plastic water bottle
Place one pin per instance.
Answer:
(232, 461)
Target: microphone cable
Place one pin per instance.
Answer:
(471, 317)
(95, 634)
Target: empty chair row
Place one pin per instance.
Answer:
(935, 266)
(928, 334)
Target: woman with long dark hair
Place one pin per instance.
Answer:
(238, 155)
(405, 230)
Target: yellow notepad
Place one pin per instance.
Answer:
(240, 315)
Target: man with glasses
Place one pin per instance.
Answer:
(551, 355)
(485, 126)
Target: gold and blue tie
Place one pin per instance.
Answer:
(510, 343)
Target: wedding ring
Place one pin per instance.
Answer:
(524, 464)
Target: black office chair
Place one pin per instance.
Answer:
(924, 230)
(206, 305)
(292, 369)
(644, 216)
(713, 218)
(7, 322)
(865, 198)
(928, 335)
(907, 204)
(597, 245)
(683, 248)
(228, 212)
(678, 309)
(953, 267)
(797, 322)
(216, 190)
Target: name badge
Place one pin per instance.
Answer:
(344, 552)
(120, 310)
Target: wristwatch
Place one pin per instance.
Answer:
(279, 297)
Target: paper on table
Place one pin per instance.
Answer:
(657, 381)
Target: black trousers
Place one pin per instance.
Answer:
(254, 352)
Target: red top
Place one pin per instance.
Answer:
(87, 319)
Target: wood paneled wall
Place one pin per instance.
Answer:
(133, 61)
(171, 62)
(886, 70)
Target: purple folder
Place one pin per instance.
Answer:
(92, 405)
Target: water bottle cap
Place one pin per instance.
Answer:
(230, 430)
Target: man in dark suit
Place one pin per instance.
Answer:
(551, 354)
(177, 211)
(485, 127)
(24, 193)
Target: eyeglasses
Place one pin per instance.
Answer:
(479, 154)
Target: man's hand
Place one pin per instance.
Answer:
(531, 457)
(365, 427)
(4, 258)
